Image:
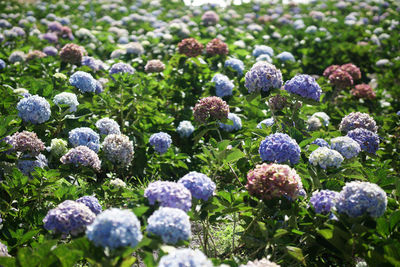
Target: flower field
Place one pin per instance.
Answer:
(154, 133)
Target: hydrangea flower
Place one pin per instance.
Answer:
(161, 142)
(83, 81)
(58, 147)
(223, 86)
(118, 149)
(341, 79)
(85, 136)
(267, 122)
(260, 263)
(114, 228)
(94, 64)
(185, 257)
(237, 123)
(286, 56)
(34, 109)
(324, 201)
(313, 123)
(268, 181)
(117, 183)
(171, 224)
(331, 69)
(326, 157)
(264, 57)
(4, 250)
(199, 185)
(91, 202)
(368, 141)
(26, 166)
(72, 53)
(35, 54)
(121, 68)
(358, 120)
(217, 47)
(353, 70)
(185, 129)
(25, 142)
(67, 99)
(108, 126)
(345, 146)
(363, 91)
(82, 155)
(322, 115)
(236, 64)
(210, 108)
(210, 18)
(263, 76)
(305, 86)
(134, 48)
(169, 194)
(320, 142)
(277, 102)
(17, 56)
(154, 66)
(279, 147)
(69, 217)
(190, 47)
(50, 51)
(359, 198)
(2, 64)
(262, 50)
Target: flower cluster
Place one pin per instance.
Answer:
(320, 142)
(263, 76)
(118, 149)
(114, 228)
(121, 68)
(277, 102)
(161, 142)
(324, 201)
(359, 198)
(35, 54)
(91, 202)
(323, 116)
(82, 155)
(199, 185)
(67, 99)
(223, 86)
(185, 129)
(154, 65)
(72, 53)
(69, 217)
(134, 48)
(94, 64)
(305, 86)
(217, 47)
(171, 224)
(326, 157)
(50, 51)
(26, 166)
(4, 250)
(237, 123)
(345, 146)
(353, 70)
(313, 123)
(269, 181)
(107, 126)
(236, 64)
(185, 257)
(363, 91)
(267, 122)
(279, 147)
(169, 194)
(262, 50)
(58, 147)
(17, 56)
(85, 136)
(260, 263)
(190, 47)
(341, 79)
(358, 120)
(118, 183)
(210, 108)
(286, 56)
(25, 142)
(84, 82)
(210, 18)
(34, 109)
(368, 141)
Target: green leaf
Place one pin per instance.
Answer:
(234, 155)
(296, 253)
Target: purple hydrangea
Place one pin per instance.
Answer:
(263, 76)
(169, 194)
(324, 201)
(107, 126)
(200, 185)
(121, 68)
(161, 142)
(91, 202)
(305, 86)
(223, 86)
(185, 257)
(82, 155)
(94, 64)
(85, 136)
(83, 81)
(69, 217)
(358, 120)
(171, 224)
(25, 142)
(34, 109)
(50, 51)
(114, 228)
(345, 146)
(320, 142)
(359, 198)
(26, 166)
(368, 141)
(235, 64)
(237, 123)
(279, 147)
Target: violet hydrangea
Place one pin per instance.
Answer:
(199, 185)
(320, 142)
(305, 86)
(82, 155)
(368, 141)
(263, 76)
(161, 142)
(358, 120)
(91, 202)
(324, 201)
(279, 147)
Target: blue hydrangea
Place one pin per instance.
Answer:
(161, 142)
(324, 201)
(91, 202)
(359, 198)
(99, 87)
(185, 128)
(345, 146)
(85, 136)
(34, 109)
(50, 51)
(368, 141)
(114, 228)
(267, 122)
(171, 224)
(223, 86)
(169, 194)
(66, 98)
(320, 142)
(94, 64)
(200, 185)
(263, 76)
(185, 257)
(264, 57)
(108, 126)
(27, 166)
(280, 148)
(237, 123)
(304, 85)
(286, 56)
(235, 64)
(326, 157)
(263, 50)
(69, 217)
(121, 68)
(322, 116)
(2, 64)
(83, 81)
